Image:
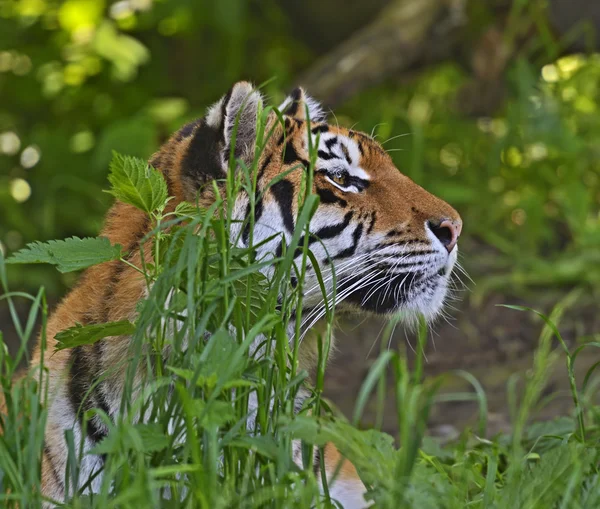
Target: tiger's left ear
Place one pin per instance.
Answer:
(296, 104)
(240, 106)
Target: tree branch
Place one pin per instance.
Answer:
(404, 33)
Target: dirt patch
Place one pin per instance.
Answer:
(490, 342)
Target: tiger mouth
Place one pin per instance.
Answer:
(414, 290)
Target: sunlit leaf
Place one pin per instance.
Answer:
(69, 254)
(135, 182)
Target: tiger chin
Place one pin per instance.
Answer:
(390, 244)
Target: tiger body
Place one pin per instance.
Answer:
(391, 242)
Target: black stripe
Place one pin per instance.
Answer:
(418, 253)
(326, 156)
(330, 143)
(292, 109)
(328, 196)
(79, 383)
(317, 461)
(407, 242)
(361, 184)
(202, 161)
(372, 225)
(393, 233)
(327, 232)
(246, 231)
(99, 395)
(97, 351)
(404, 266)
(283, 192)
(349, 251)
(346, 153)
(291, 156)
(321, 128)
(258, 210)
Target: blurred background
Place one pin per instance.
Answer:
(491, 104)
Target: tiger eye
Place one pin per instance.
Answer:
(339, 179)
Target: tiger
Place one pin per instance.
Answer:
(373, 224)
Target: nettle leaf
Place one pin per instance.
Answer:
(69, 254)
(89, 334)
(186, 209)
(135, 182)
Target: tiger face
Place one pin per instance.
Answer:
(391, 244)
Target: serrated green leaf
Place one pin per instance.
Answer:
(69, 254)
(135, 182)
(186, 209)
(89, 334)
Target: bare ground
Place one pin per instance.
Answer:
(490, 342)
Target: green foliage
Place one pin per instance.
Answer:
(70, 254)
(90, 334)
(135, 182)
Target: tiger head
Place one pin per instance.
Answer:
(391, 244)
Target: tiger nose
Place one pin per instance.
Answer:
(447, 231)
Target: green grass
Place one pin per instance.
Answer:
(212, 333)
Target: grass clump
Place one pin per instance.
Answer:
(213, 421)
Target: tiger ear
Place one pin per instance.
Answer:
(296, 104)
(240, 106)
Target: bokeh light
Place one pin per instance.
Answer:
(82, 142)
(9, 143)
(20, 190)
(30, 156)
